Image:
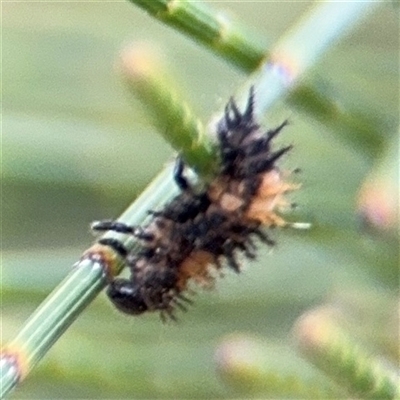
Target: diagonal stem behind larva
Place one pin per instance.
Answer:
(244, 50)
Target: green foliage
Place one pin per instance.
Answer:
(74, 150)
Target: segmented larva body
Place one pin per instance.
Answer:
(199, 231)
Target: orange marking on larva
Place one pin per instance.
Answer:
(187, 240)
(230, 203)
(261, 206)
(258, 212)
(227, 193)
(270, 197)
(272, 184)
(196, 268)
(217, 188)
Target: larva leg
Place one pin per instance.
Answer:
(179, 178)
(110, 225)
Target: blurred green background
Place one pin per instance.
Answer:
(76, 148)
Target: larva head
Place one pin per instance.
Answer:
(126, 297)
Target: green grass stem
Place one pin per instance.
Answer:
(88, 277)
(236, 45)
(212, 29)
(49, 321)
(249, 365)
(149, 81)
(75, 292)
(326, 345)
(354, 127)
(293, 55)
(300, 48)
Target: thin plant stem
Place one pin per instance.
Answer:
(99, 263)
(301, 47)
(244, 363)
(353, 126)
(87, 278)
(236, 45)
(326, 345)
(211, 28)
(50, 320)
(142, 71)
(292, 56)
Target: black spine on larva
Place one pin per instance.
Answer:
(192, 222)
(244, 150)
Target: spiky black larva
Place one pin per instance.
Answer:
(188, 240)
